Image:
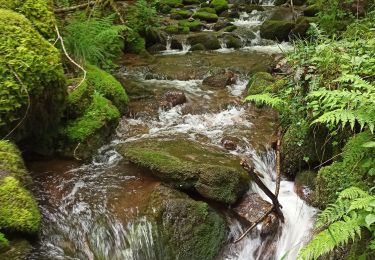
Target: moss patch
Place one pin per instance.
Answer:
(39, 12)
(205, 16)
(219, 5)
(260, 82)
(18, 209)
(193, 26)
(23, 52)
(188, 229)
(188, 165)
(180, 14)
(4, 243)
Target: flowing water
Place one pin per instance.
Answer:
(91, 211)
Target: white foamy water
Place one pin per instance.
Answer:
(191, 86)
(275, 48)
(169, 51)
(238, 88)
(253, 19)
(299, 218)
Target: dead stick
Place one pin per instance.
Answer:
(73, 8)
(278, 163)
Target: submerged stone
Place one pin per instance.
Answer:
(188, 165)
(185, 228)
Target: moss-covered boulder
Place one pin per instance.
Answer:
(194, 26)
(179, 14)
(31, 79)
(302, 27)
(352, 170)
(19, 211)
(311, 10)
(166, 6)
(206, 16)
(208, 40)
(276, 30)
(198, 47)
(260, 82)
(188, 165)
(219, 5)
(187, 229)
(39, 12)
(232, 41)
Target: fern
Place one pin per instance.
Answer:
(345, 219)
(267, 99)
(93, 40)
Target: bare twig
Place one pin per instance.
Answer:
(69, 58)
(28, 104)
(75, 7)
(278, 163)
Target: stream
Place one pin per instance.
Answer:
(91, 211)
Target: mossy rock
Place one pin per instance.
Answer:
(79, 99)
(165, 6)
(193, 26)
(302, 27)
(311, 10)
(276, 30)
(188, 165)
(105, 84)
(209, 40)
(207, 10)
(187, 229)
(30, 73)
(304, 147)
(39, 12)
(176, 29)
(260, 82)
(198, 47)
(179, 14)
(351, 171)
(219, 5)
(231, 41)
(191, 2)
(90, 131)
(205, 16)
(19, 211)
(229, 28)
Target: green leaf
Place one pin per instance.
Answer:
(369, 145)
(370, 219)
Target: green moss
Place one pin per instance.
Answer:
(207, 10)
(79, 99)
(105, 84)
(99, 114)
(4, 243)
(229, 28)
(193, 26)
(198, 47)
(276, 30)
(165, 6)
(178, 29)
(260, 82)
(180, 14)
(18, 209)
(188, 229)
(23, 52)
(11, 161)
(351, 171)
(39, 12)
(188, 165)
(205, 16)
(219, 5)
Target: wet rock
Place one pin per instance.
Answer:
(198, 47)
(221, 24)
(189, 165)
(246, 7)
(185, 228)
(156, 48)
(155, 36)
(176, 44)
(232, 41)
(276, 30)
(209, 40)
(304, 185)
(17, 249)
(251, 207)
(221, 79)
(230, 143)
(282, 14)
(173, 98)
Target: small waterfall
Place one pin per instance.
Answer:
(185, 47)
(299, 218)
(253, 19)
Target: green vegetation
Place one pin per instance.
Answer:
(93, 40)
(4, 243)
(99, 114)
(219, 5)
(193, 26)
(30, 72)
(39, 12)
(206, 16)
(180, 14)
(188, 165)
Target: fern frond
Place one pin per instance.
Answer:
(353, 193)
(357, 82)
(338, 233)
(361, 203)
(332, 213)
(267, 99)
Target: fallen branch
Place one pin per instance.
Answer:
(276, 205)
(69, 58)
(75, 7)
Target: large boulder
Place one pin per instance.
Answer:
(185, 228)
(38, 12)
(209, 40)
(31, 79)
(276, 30)
(188, 165)
(19, 213)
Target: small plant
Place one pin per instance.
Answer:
(142, 17)
(93, 40)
